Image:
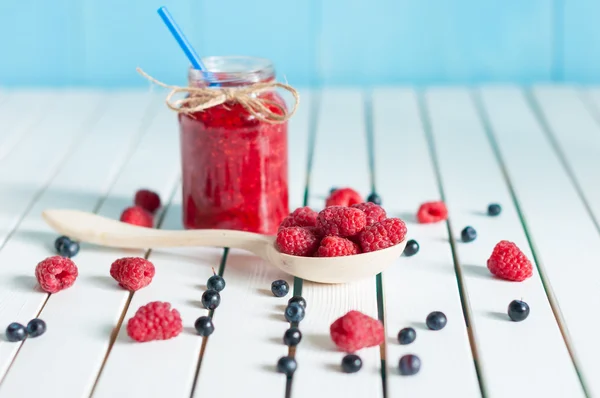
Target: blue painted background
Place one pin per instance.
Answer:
(312, 42)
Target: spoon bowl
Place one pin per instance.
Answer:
(95, 229)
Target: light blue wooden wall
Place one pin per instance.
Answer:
(342, 42)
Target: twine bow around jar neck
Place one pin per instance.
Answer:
(202, 98)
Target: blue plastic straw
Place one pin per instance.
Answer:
(181, 39)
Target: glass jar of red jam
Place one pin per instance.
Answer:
(235, 166)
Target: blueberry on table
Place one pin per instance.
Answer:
(204, 326)
(411, 248)
(351, 363)
(60, 241)
(287, 365)
(36, 327)
(215, 282)
(494, 209)
(374, 198)
(294, 312)
(468, 234)
(406, 336)
(409, 365)
(298, 299)
(65, 247)
(292, 337)
(15, 332)
(518, 310)
(436, 320)
(280, 288)
(211, 299)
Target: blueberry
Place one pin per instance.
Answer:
(204, 326)
(436, 320)
(332, 190)
(215, 282)
(15, 332)
(36, 327)
(67, 248)
(468, 234)
(518, 310)
(294, 312)
(298, 299)
(409, 365)
(292, 337)
(351, 363)
(60, 241)
(407, 336)
(412, 248)
(287, 365)
(374, 198)
(280, 288)
(211, 299)
(494, 209)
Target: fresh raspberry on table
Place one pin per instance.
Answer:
(297, 241)
(382, 235)
(431, 212)
(136, 215)
(341, 221)
(147, 200)
(343, 197)
(301, 217)
(56, 273)
(375, 213)
(508, 262)
(155, 321)
(356, 330)
(335, 246)
(132, 273)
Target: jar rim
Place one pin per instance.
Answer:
(233, 69)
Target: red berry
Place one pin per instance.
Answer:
(335, 246)
(56, 273)
(343, 197)
(137, 216)
(132, 273)
(382, 235)
(147, 200)
(297, 241)
(508, 262)
(431, 212)
(155, 321)
(356, 330)
(375, 213)
(341, 221)
(301, 217)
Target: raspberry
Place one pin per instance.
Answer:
(382, 235)
(297, 241)
(374, 212)
(132, 273)
(56, 273)
(137, 216)
(431, 212)
(334, 246)
(147, 200)
(343, 197)
(356, 330)
(341, 221)
(301, 217)
(508, 262)
(154, 321)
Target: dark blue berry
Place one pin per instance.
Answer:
(36, 327)
(204, 326)
(411, 248)
(436, 320)
(60, 241)
(468, 234)
(494, 209)
(332, 190)
(287, 365)
(298, 299)
(351, 363)
(211, 299)
(409, 365)
(518, 310)
(15, 332)
(280, 288)
(294, 312)
(215, 282)
(407, 336)
(374, 198)
(292, 337)
(68, 248)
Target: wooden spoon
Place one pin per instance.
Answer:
(91, 228)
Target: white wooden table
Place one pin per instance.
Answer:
(534, 151)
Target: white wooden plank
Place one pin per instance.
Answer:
(564, 236)
(425, 282)
(471, 180)
(340, 159)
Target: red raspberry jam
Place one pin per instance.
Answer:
(234, 165)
